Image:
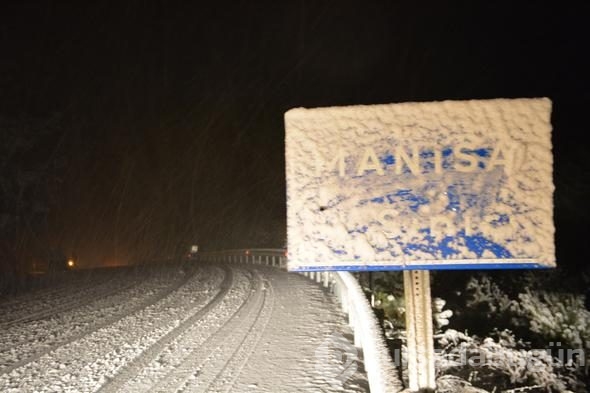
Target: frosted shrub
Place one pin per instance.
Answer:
(393, 308)
(486, 295)
(491, 363)
(557, 317)
(440, 316)
(452, 384)
(556, 323)
(486, 305)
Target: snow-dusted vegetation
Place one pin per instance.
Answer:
(498, 332)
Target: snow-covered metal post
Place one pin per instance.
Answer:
(421, 373)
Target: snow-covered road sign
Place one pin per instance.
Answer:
(435, 185)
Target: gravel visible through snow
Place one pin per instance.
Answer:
(203, 328)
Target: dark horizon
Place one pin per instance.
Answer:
(148, 127)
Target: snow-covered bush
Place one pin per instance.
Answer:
(485, 295)
(393, 308)
(557, 317)
(452, 384)
(440, 317)
(498, 362)
(529, 304)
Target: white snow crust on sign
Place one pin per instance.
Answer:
(420, 185)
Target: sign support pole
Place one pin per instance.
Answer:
(420, 342)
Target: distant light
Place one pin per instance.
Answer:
(71, 263)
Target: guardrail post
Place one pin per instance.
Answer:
(351, 314)
(343, 299)
(357, 332)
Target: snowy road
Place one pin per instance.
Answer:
(206, 328)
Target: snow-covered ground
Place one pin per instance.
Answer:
(204, 328)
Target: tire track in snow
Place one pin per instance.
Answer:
(225, 379)
(132, 369)
(248, 356)
(17, 303)
(51, 285)
(36, 330)
(87, 296)
(104, 322)
(230, 344)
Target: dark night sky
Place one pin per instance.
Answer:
(170, 117)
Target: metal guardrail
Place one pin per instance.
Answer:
(258, 256)
(381, 372)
